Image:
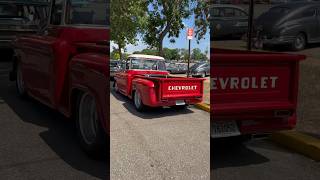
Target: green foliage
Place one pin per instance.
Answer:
(171, 54)
(166, 19)
(147, 52)
(127, 18)
(196, 54)
(115, 55)
(176, 54)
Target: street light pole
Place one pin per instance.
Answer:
(189, 57)
(189, 37)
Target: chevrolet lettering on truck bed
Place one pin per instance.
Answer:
(253, 92)
(66, 67)
(146, 81)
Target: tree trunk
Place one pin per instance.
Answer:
(161, 48)
(119, 50)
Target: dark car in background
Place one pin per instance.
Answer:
(294, 24)
(227, 21)
(201, 69)
(21, 17)
(115, 66)
(177, 68)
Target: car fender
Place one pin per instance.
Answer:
(143, 86)
(293, 29)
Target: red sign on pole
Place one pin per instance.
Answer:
(190, 33)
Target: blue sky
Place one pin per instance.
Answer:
(181, 42)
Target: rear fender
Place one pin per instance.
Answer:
(89, 72)
(142, 85)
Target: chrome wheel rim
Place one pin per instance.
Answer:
(137, 99)
(300, 42)
(88, 118)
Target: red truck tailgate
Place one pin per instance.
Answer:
(245, 81)
(175, 88)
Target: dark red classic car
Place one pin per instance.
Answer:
(65, 66)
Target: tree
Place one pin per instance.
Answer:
(198, 55)
(127, 20)
(171, 54)
(147, 52)
(184, 53)
(115, 55)
(166, 19)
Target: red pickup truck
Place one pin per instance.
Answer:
(146, 81)
(65, 66)
(253, 92)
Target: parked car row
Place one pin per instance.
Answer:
(200, 69)
(21, 17)
(258, 1)
(296, 24)
(177, 68)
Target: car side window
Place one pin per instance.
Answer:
(161, 66)
(215, 12)
(239, 13)
(229, 12)
(56, 14)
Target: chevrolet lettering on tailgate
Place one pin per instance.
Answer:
(265, 82)
(177, 88)
(252, 92)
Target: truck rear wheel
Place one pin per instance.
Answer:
(115, 86)
(20, 85)
(138, 101)
(89, 129)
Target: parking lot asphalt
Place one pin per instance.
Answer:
(260, 159)
(161, 143)
(38, 143)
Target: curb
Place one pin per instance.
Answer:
(299, 142)
(203, 106)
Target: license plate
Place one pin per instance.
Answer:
(180, 103)
(224, 129)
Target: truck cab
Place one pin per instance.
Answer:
(66, 67)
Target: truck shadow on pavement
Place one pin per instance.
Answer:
(150, 113)
(225, 154)
(60, 136)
